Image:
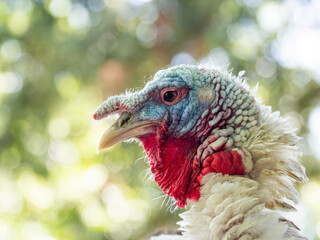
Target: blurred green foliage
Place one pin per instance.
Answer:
(59, 59)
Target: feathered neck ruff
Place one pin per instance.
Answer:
(249, 207)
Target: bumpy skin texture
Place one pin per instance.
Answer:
(219, 147)
(234, 162)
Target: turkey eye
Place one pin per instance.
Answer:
(170, 96)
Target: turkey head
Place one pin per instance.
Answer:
(191, 121)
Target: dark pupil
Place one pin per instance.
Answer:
(170, 96)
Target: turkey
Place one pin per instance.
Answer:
(210, 141)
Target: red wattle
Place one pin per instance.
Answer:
(170, 161)
(94, 116)
(177, 172)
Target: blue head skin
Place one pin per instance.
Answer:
(172, 115)
(179, 116)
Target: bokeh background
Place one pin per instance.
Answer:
(59, 59)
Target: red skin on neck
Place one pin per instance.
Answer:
(177, 171)
(225, 162)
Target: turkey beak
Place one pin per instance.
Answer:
(124, 129)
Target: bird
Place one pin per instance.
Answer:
(212, 144)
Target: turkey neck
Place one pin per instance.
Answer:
(248, 206)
